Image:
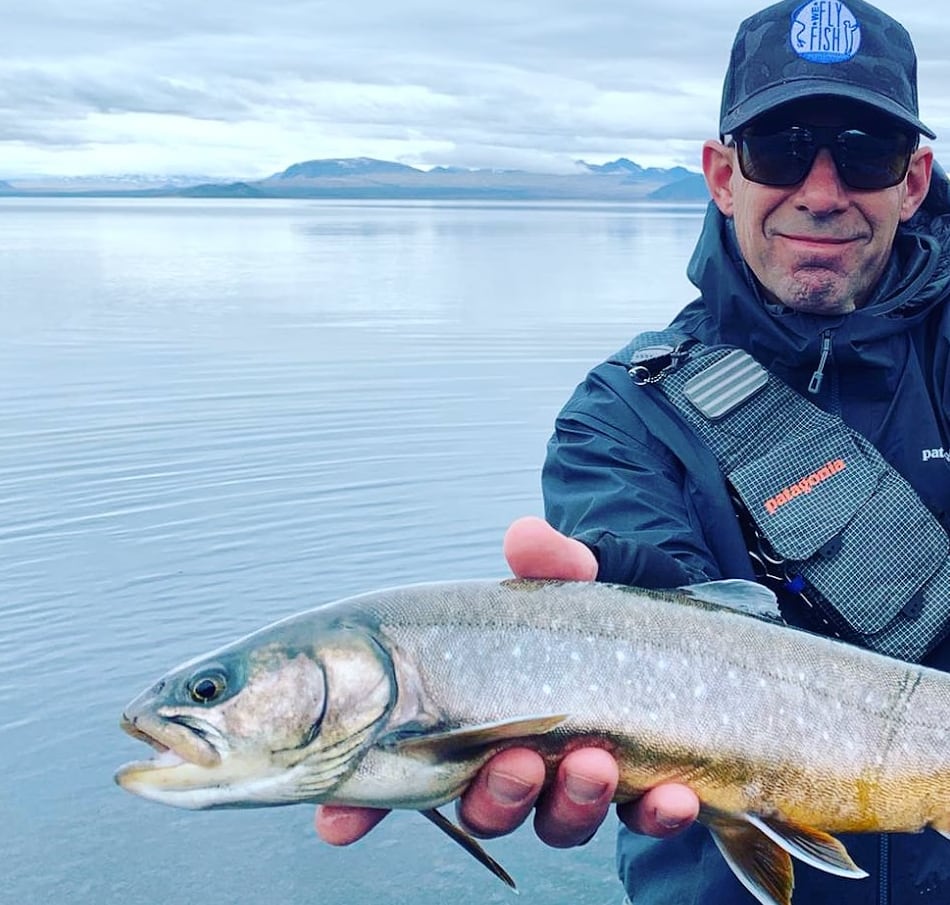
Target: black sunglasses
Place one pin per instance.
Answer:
(865, 159)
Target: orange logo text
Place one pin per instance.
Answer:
(805, 485)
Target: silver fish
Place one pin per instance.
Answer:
(394, 699)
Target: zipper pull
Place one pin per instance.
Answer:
(814, 385)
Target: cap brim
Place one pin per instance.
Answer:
(776, 95)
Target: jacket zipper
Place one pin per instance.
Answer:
(884, 879)
(814, 385)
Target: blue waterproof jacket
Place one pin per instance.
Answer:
(625, 475)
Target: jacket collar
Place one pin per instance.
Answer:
(916, 278)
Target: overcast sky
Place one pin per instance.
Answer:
(244, 88)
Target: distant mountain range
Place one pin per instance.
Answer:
(367, 178)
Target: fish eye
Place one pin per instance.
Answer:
(207, 687)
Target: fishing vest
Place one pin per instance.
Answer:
(828, 519)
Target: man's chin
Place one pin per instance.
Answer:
(818, 291)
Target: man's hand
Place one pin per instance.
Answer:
(506, 789)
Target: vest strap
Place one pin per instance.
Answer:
(851, 534)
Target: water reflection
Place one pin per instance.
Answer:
(219, 413)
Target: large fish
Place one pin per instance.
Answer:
(394, 699)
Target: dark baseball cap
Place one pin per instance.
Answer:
(794, 50)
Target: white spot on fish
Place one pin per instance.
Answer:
(575, 656)
(516, 651)
(546, 689)
(593, 688)
(446, 656)
(621, 656)
(699, 691)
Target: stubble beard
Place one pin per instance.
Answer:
(816, 291)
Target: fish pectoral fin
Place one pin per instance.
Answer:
(814, 847)
(466, 738)
(761, 866)
(470, 845)
(747, 597)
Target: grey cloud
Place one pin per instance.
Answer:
(556, 75)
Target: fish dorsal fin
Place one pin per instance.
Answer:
(457, 834)
(760, 865)
(814, 847)
(748, 597)
(466, 738)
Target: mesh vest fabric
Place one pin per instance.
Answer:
(850, 529)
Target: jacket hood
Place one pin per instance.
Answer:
(732, 309)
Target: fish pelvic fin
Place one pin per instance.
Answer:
(759, 851)
(814, 847)
(470, 845)
(469, 738)
(761, 866)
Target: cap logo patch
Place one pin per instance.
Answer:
(825, 32)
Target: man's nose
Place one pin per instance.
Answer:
(822, 190)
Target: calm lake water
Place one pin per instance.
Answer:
(218, 413)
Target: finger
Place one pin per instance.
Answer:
(663, 811)
(502, 794)
(343, 825)
(536, 550)
(577, 803)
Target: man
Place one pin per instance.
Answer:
(826, 256)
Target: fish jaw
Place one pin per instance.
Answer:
(185, 763)
(189, 739)
(166, 779)
(189, 772)
(171, 781)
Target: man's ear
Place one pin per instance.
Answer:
(917, 183)
(719, 162)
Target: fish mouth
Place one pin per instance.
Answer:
(184, 751)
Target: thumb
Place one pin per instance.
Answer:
(536, 550)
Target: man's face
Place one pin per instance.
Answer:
(817, 246)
